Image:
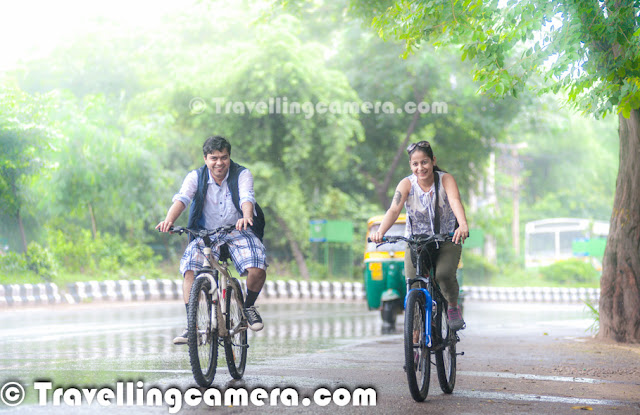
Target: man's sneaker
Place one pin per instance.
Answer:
(254, 321)
(454, 318)
(181, 339)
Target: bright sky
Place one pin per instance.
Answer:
(29, 27)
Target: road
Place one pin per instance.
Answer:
(519, 359)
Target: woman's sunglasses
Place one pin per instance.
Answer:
(421, 144)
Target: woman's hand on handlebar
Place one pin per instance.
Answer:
(461, 234)
(164, 226)
(376, 237)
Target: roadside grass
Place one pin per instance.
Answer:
(594, 312)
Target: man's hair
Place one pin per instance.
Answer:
(215, 143)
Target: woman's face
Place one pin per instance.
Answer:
(421, 165)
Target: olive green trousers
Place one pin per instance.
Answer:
(446, 266)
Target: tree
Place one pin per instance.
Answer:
(267, 100)
(108, 173)
(25, 151)
(433, 78)
(590, 50)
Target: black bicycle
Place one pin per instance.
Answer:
(426, 328)
(215, 313)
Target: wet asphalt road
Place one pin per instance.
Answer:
(519, 358)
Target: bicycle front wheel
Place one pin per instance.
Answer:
(416, 352)
(446, 355)
(202, 339)
(235, 344)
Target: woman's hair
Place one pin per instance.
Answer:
(425, 147)
(215, 143)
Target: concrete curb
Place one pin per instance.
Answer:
(164, 289)
(149, 290)
(533, 294)
(17, 294)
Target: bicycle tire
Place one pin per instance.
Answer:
(445, 356)
(202, 338)
(388, 313)
(417, 358)
(235, 347)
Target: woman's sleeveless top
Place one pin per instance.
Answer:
(420, 208)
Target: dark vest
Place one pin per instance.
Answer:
(196, 219)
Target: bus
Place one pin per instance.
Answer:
(550, 240)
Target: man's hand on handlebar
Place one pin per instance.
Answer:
(244, 223)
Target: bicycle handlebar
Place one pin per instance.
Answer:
(202, 233)
(416, 239)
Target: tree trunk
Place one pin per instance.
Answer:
(94, 230)
(295, 248)
(620, 283)
(22, 234)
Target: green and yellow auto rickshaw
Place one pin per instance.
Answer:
(384, 278)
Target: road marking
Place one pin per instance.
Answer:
(534, 377)
(540, 398)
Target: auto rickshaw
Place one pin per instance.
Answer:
(384, 278)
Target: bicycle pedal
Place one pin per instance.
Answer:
(460, 354)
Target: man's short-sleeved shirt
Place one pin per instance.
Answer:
(218, 207)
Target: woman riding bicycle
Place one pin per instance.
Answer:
(417, 193)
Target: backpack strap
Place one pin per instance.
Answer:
(436, 210)
(232, 182)
(196, 220)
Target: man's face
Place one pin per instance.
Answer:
(218, 164)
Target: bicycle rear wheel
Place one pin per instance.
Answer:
(235, 345)
(416, 353)
(445, 356)
(202, 339)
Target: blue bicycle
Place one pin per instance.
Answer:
(426, 328)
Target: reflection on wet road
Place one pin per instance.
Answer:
(305, 345)
(100, 344)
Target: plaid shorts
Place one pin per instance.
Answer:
(245, 249)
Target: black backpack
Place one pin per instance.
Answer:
(232, 182)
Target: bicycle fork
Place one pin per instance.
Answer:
(429, 305)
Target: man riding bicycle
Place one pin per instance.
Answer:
(221, 194)
(432, 202)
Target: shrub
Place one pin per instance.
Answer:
(37, 260)
(570, 272)
(80, 252)
(12, 262)
(41, 261)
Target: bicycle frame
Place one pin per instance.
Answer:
(419, 349)
(217, 297)
(218, 291)
(428, 299)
